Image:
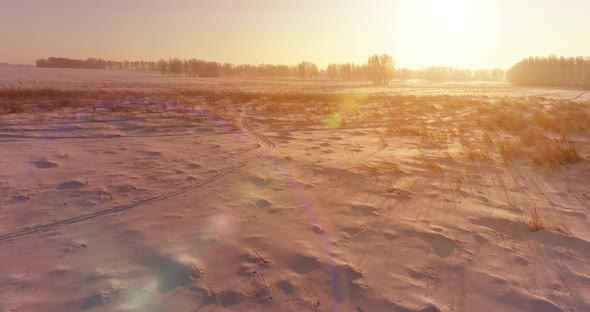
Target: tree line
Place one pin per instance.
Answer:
(175, 67)
(551, 71)
(4, 64)
(443, 73)
(379, 69)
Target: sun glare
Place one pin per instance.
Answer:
(455, 19)
(441, 30)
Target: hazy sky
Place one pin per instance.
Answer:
(464, 33)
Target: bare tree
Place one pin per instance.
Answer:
(380, 69)
(307, 70)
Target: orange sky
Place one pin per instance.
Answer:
(463, 33)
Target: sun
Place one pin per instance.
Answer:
(451, 21)
(442, 30)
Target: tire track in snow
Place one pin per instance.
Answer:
(260, 137)
(49, 226)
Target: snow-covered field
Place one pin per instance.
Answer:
(306, 196)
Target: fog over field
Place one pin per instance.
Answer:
(85, 79)
(268, 156)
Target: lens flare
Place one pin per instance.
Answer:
(333, 121)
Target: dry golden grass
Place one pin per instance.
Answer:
(473, 153)
(556, 152)
(535, 222)
(404, 130)
(380, 167)
(509, 150)
(538, 222)
(487, 128)
(430, 164)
